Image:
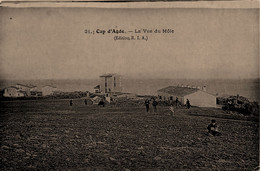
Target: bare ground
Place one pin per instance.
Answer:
(41, 135)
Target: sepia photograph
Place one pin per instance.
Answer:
(129, 86)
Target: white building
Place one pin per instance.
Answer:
(13, 92)
(48, 90)
(29, 89)
(196, 96)
(110, 83)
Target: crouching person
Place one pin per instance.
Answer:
(213, 128)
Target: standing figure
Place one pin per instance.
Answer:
(213, 128)
(147, 103)
(71, 102)
(172, 109)
(177, 101)
(188, 103)
(155, 103)
(86, 102)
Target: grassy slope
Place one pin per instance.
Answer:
(53, 135)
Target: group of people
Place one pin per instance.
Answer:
(154, 104)
(212, 127)
(177, 103)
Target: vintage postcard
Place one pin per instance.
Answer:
(129, 85)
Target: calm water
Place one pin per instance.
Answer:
(248, 88)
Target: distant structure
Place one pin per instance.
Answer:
(96, 100)
(48, 90)
(13, 91)
(110, 83)
(30, 90)
(20, 90)
(97, 89)
(196, 96)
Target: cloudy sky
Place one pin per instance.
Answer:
(50, 43)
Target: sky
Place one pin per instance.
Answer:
(50, 43)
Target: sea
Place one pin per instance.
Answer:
(248, 88)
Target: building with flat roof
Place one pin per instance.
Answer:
(110, 83)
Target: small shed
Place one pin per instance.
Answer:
(97, 89)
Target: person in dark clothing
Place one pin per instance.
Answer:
(177, 101)
(86, 102)
(188, 103)
(71, 102)
(147, 103)
(101, 103)
(155, 103)
(213, 128)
